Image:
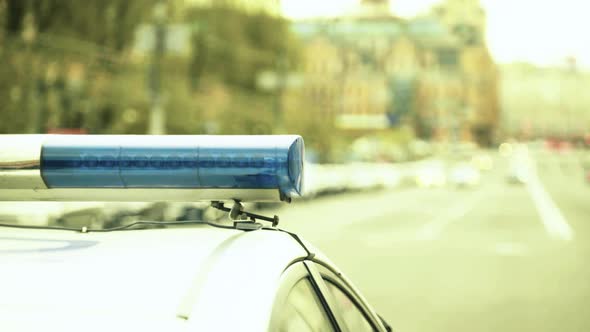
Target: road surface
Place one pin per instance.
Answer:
(498, 257)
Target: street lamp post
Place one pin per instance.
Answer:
(157, 122)
(282, 71)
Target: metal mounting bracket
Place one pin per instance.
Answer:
(238, 215)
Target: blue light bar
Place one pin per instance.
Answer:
(240, 162)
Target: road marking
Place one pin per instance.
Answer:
(434, 227)
(552, 218)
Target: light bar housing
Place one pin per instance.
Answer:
(150, 167)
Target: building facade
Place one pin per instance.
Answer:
(271, 7)
(544, 102)
(370, 70)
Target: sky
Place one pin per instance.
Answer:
(542, 32)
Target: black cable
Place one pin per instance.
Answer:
(119, 228)
(310, 255)
(41, 227)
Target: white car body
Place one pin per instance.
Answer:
(465, 176)
(482, 162)
(181, 279)
(431, 175)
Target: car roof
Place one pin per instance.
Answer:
(174, 278)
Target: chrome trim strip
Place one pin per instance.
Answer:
(20, 162)
(139, 195)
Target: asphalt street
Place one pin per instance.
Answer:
(496, 257)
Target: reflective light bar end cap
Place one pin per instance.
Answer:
(150, 167)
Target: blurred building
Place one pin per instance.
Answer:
(466, 19)
(480, 110)
(544, 102)
(271, 7)
(370, 70)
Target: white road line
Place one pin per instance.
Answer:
(434, 227)
(552, 218)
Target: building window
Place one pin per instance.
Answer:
(447, 57)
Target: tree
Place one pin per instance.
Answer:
(107, 23)
(232, 47)
(236, 45)
(94, 34)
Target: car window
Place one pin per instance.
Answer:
(352, 315)
(303, 310)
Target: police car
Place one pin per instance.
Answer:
(246, 274)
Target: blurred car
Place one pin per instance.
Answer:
(420, 149)
(431, 176)
(92, 217)
(517, 174)
(464, 175)
(370, 176)
(506, 149)
(558, 145)
(43, 213)
(483, 162)
(244, 274)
